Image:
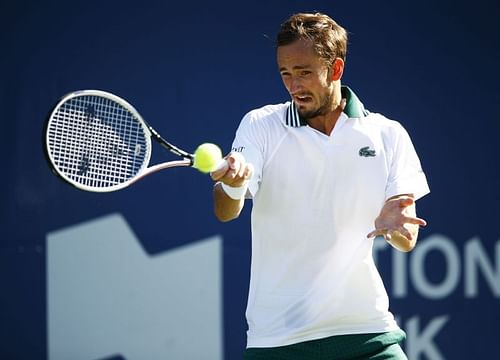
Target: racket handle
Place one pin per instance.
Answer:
(222, 165)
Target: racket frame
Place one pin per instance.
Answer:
(187, 158)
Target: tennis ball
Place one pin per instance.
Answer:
(206, 157)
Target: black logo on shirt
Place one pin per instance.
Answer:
(238, 149)
(366, 152)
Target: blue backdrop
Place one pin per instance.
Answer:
(193, 69)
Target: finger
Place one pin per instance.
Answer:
(248, 171)
(379, 232)
(233, 162)
(403, 232)
(416, 221)
(242, 170)
(406, 201)
(371, 234)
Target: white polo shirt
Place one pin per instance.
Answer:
(315, 198)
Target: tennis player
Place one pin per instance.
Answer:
(325, 176)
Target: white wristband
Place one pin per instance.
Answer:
(235, 193)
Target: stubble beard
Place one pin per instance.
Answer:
(323, 108)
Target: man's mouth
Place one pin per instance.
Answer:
(302, 99)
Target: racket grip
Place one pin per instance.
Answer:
(222, 165)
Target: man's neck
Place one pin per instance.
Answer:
(326, 123)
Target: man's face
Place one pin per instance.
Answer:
(306, 77)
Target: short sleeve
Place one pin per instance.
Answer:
(406, 175)
(249, 141)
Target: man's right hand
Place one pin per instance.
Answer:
(236, 172)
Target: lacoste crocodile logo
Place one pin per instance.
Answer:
(367, 152)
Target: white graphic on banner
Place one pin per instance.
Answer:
(107, 297)
(420, 343)
(477, 265)
(409, 269)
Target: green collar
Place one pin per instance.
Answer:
(353, 109)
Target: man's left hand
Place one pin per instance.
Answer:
(397, 222)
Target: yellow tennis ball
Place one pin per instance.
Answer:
(206, 157)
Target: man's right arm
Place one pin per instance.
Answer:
(231, 187)
(226, 208)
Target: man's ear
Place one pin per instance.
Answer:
(337, 69)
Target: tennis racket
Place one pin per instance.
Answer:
(98, 142)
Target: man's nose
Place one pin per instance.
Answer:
(295, 85)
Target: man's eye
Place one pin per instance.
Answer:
(305, 73)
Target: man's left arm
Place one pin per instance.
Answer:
(398, 222)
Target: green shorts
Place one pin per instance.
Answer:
(381, 346)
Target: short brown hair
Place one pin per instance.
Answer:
(328, 37)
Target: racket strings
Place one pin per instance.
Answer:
(97, 142)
